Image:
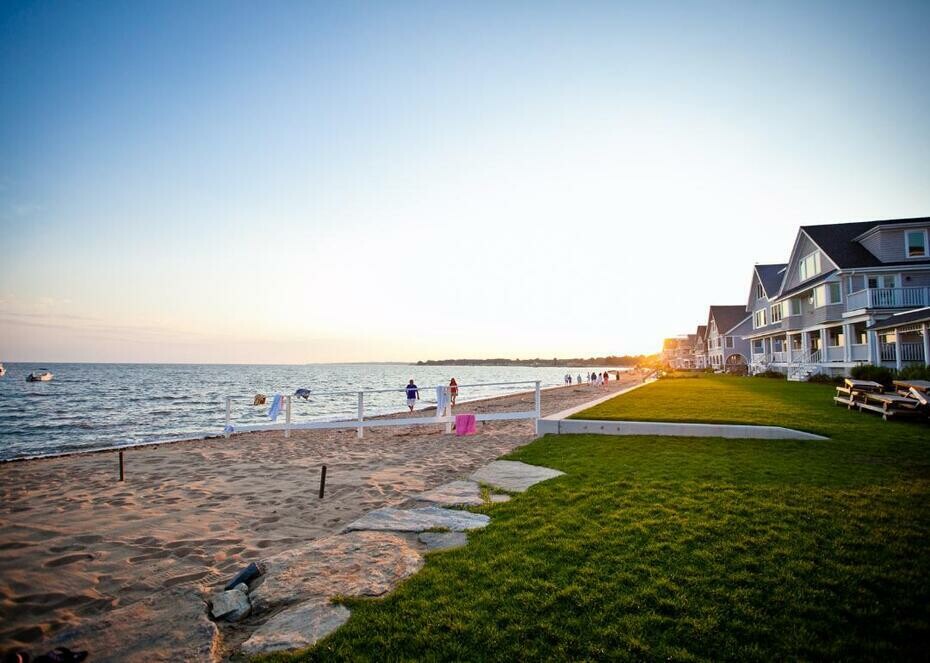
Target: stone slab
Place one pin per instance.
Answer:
(231, 605)
(454, 493)
(513, 475)
(170, 625)
(499, 498)
(672, 429)
(443, 540)
(390, 519)
(356, 564)
(296, 627)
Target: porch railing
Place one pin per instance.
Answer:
(909, 351)
(910, 297)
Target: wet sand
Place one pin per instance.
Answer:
(76, 543)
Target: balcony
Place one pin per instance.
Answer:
(913, 297)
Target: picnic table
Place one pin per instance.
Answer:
(922, 386)
(855, 391)
(889, 405)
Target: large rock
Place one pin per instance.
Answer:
(231, 605)
(454, 493)
(171, 625)
(443, 540)
(513, 475)
(418, 520)
(296, 627)
(357, 564)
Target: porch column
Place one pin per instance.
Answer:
(897, 350)
(788, 349)
(823, 344)
(805, 345)
(847, 345)
(875, 356)
(924, 328)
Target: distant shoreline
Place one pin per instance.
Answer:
(612, 362)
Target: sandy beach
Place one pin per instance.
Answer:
(75, 543)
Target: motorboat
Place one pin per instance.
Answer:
(41, 375)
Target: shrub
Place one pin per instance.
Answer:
(769, 374)
(914, 373)
(879, 374)
(822, 378)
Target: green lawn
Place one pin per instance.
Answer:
(684, 548)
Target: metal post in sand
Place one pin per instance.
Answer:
(121, 476)
(322, 482)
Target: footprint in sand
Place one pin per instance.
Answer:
(161, 554)
(190, 577)
(89, 538)
(14, 545)
(69, 548)
(68, 559)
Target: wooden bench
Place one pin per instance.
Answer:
(889, 405)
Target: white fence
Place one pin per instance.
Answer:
(360, 423)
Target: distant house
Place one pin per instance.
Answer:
(727, 349)
(699, 347)
(676, 352)
(824, 311)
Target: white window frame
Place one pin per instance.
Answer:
(776, 311)
(907, 246)
(758, 319)
(728, 342)
(803, 274)
(760, 291)
(839, 290)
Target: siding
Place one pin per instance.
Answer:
(805, 247)
(888, 245)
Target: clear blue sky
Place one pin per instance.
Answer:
(289, 182)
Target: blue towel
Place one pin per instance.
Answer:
(276, 404)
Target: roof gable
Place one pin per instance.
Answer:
(726, 317)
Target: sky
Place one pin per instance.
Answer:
(275, 182)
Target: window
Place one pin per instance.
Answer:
(884, 281)
(809, 266)
(760, 293)
(777, 310)
(817, 297)
(835, 337)
(833, 293)
(757, 347)
(828, 293)
(915, 244)
(795, 307)
(759, 318)
(730, 340)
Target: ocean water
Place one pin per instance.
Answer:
(96, 406)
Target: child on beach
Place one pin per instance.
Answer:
(453, 390)
(413, 393)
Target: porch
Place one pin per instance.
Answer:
(888, 298)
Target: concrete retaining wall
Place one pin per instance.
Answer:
(737, 431)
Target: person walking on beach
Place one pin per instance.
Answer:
(579, 378)
(453, 390)
(413, 394)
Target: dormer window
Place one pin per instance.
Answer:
(915, 244)
(809, 266)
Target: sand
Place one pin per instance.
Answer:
(76, 543)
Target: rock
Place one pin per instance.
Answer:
(443, 540)
(498, 498)
(296, 627)
(246, 575)
(231, 605)
(454, 493)
(171, 625)
(418, 520)
(356, 564)
(513, 475)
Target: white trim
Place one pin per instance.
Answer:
(926, 252)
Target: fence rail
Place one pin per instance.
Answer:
(360, 423)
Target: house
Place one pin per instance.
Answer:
(727, 349)
(699, 347)
(904, 337)
(823, 310)
(677, 352)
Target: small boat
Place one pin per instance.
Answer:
(41, 375)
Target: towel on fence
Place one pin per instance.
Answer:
(465, 424)
(302, 393)
(276, 404)
(259, 399)
(442, 400)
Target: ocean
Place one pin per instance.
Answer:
(97, 406)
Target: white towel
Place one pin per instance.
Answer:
(441, 401)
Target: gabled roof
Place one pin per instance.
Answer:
(838, 241)
(770, 276)
(727, 317)
(902, 319)
(702, 331)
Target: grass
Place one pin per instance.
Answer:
(684, 548)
